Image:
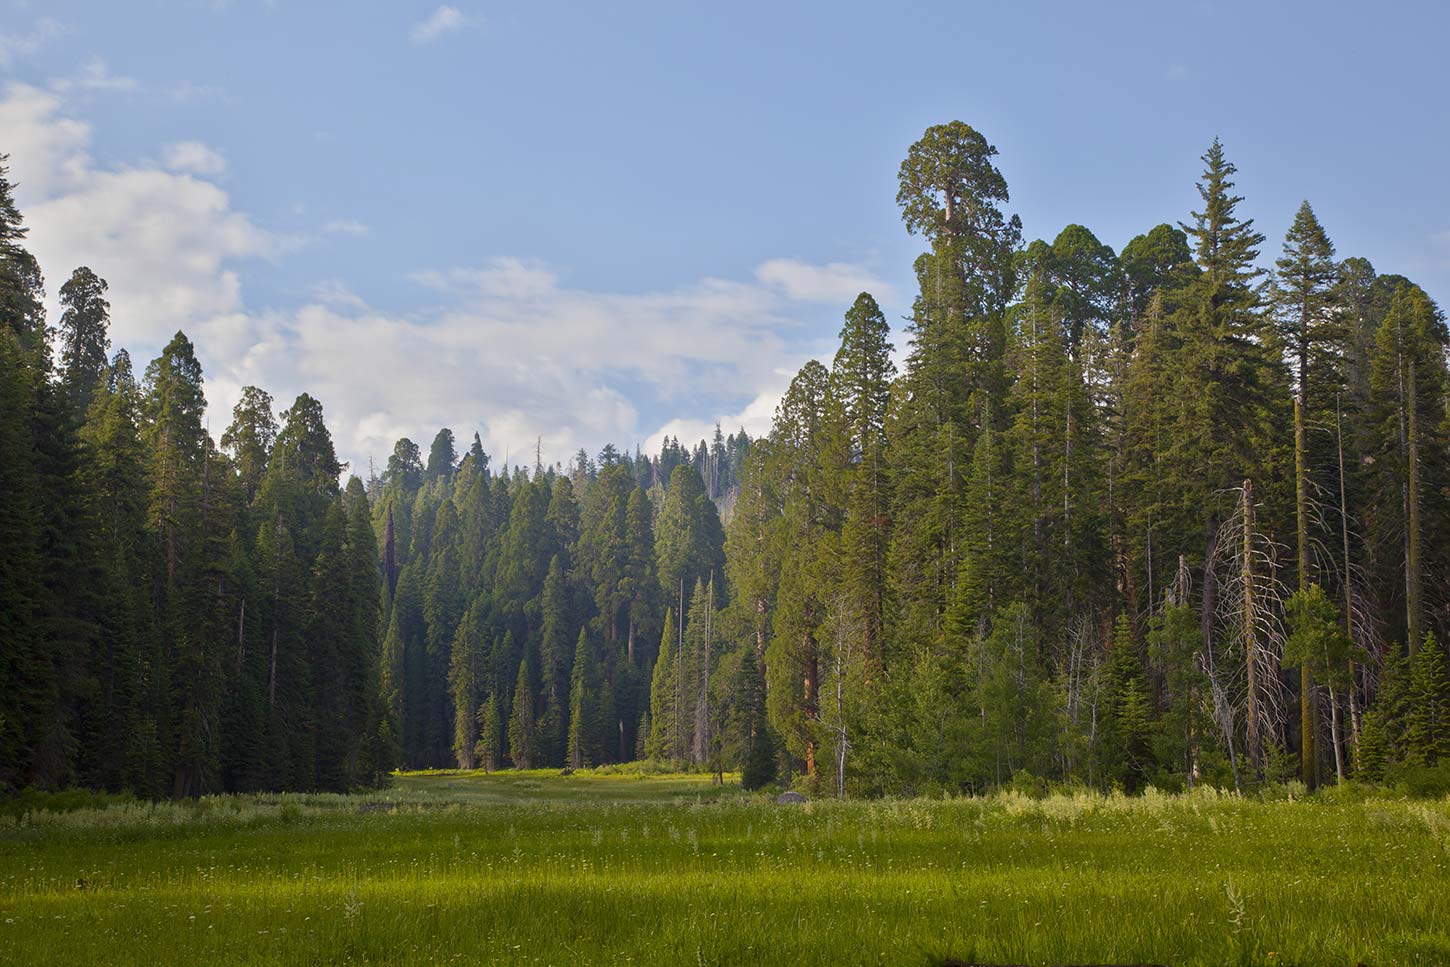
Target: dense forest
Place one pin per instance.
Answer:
(1164, 516)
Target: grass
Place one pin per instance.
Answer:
(595, 868)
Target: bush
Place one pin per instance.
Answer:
(65, 801)
(1282, 791)
(1425, 782)
(1026, 784)
(760, 767)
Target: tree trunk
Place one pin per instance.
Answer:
(1251, 652)
(1308, 758)
(1334, 735)
(241, 633)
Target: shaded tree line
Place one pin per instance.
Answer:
(178, 615)
(1165, 515)
(1157, 516)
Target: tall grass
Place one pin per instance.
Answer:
(624, 869)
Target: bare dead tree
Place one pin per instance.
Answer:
(1247, 621)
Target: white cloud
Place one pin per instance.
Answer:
(754, 418)
(13, 46)
(518, 355)
(190, 92)
(507, 346)
(836, 282)
(95, 75)
(193, 157)
(444, 20)
(502, 276)
(336, 293)
(346, 226)
(166, 241)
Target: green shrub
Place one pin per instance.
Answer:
(64, 801)
(1425, 782)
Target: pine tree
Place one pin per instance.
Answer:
(362, 654)
(950, 192)
(662, 744)
(862, 373)
(489, 750)
(584, 747)
(84, 339)
(1303, 287)
(1427, 723)
(465, 682)
(114, 477)
(329, 633)
(250, 437)
(442, 457)
(1126, 750)
(1317, 643)
(557, 626)
(1407, 387)
(641, 584)
(522, 734)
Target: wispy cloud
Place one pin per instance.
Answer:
(346, 226)
(94, 75)
(21, 45)
(444, 20)
(190, 92)
(836, 282)
(193, 157)
(336, 293)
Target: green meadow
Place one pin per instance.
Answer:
(598, 868)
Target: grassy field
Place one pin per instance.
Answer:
(618, 869)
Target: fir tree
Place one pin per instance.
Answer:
(522, 736)
(583, 748)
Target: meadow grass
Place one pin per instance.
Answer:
(600, 868)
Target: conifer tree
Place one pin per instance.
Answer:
(1125, 739)
(584, 704)
(488, 750)
(662, 744)
(84, 339)
(522, 734)
(250, 437)
(641, 584)
(1427, 720)
(465, 683)
(862, 373)
(556, 657)
(1303, 287)
(950, 191)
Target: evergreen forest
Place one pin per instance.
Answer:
(1168, 516)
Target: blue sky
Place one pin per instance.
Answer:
(598, 222)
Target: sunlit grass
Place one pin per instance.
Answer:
(625, 868)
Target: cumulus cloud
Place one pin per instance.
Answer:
(754, 418)
(193, 157)
(506, 346)
(444, 20)
(166, 240)
(836, 282)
